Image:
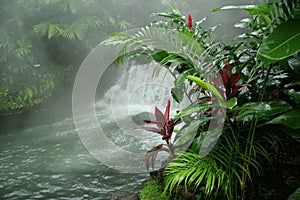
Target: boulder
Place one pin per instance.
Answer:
(124, 196)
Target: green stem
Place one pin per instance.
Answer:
(248, 151)
(251, 134)
(262, 94)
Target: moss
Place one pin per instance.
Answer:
(152, 191)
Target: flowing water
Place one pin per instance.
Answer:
(42, 156)
(40, 161)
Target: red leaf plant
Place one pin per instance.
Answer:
(225, 79)
(164, 127)
(230, 80)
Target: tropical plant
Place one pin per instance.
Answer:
(257, 87)
(295, 195)
(165, 127)
(37, 42)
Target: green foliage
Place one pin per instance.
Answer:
(192, 109)
(152, 191)
(290, 119)
(258, 91)
(37, 42)
(283, 42)
(275, 13)
(223, 169)
(193, 172)
(206, 86)
(295, 195)
(261, 110)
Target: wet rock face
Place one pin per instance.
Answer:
(138, 118)
(124, 196)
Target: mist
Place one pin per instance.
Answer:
(42, 45)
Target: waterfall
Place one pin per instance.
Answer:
(132, 98)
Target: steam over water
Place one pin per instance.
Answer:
(42, 156)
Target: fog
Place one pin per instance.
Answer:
(42, 46)
(43, 43)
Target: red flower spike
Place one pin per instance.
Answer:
(190, 22)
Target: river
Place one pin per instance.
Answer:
(43, 157)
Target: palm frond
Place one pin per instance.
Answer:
(149, 39)
(192, 171)
(41, 28)
(283, 11)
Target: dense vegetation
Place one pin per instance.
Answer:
(253, 82)
(42, 44)
(251, 152)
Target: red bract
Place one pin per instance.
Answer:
(230, 80)
(164, 125)
(190, 22)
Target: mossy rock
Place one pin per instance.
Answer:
(152, 191)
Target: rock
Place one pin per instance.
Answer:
(138, 118)
(124, 196)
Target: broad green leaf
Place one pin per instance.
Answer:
(294, 133)
(294, 63)
(159, 55)
(192, 109)
(206, 86)
(260, 9)
(295, 195)
(177, 94)
(180, 80)
(188, 133)
(290, 119)
(210, 139)
(197, 143)
(294, 95)
(261, 110)
(281, 43)
(231, 103)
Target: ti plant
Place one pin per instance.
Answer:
(164, 127)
